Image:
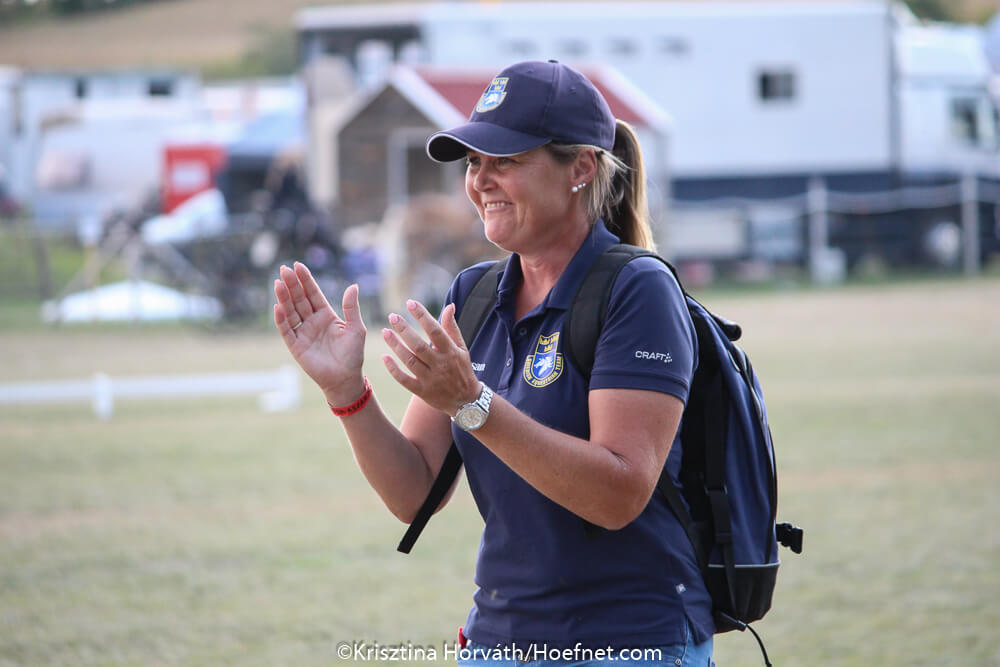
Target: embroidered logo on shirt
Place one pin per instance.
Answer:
(478, 367)
(544, 366)
(493, 95)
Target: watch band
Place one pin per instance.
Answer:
(473, 415)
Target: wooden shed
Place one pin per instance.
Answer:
(377, 142)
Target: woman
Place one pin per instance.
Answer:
(550, 172)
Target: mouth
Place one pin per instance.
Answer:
(496, 205)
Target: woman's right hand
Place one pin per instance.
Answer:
(330, 349)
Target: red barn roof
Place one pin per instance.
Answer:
(462, 89)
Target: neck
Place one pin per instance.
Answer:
(541, 269)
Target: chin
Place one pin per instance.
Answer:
(498, 241)
(498, 235)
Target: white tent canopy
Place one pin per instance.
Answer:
(131, 301)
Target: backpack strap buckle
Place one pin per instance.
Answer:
(789, 536)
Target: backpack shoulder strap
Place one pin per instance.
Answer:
(442, 483)
(584, 323)
(588, 311)
(476, 307)
(479, 302)
(589, 307)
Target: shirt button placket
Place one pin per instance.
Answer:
(507, 363)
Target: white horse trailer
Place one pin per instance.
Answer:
(767, 98)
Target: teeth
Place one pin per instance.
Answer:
(496, 204)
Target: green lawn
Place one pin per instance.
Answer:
(204, 532)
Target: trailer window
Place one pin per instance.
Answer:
(973, 121)
(622, 46)
(963, 120)
(773, 85)
(573, 47)
(521, 47)
(673, 46)
(160, 87)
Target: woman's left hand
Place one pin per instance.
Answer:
(440, 371)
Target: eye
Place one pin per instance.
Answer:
(504, 161)
(471, 161)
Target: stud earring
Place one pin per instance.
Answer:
(577, 188)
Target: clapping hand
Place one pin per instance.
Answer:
(440, 372)
(329, 348)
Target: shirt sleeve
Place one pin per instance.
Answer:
(648, 340)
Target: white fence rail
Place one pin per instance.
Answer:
(276, 390)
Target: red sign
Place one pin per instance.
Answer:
(189, 170)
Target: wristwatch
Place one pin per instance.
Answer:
(473, 415)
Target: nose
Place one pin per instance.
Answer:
(482, 177)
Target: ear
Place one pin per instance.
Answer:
(584, 168)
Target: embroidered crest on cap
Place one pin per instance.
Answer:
(493, 95)
(546, 364)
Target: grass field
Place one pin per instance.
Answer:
(208, 533)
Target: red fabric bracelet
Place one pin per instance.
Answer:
(357, 405)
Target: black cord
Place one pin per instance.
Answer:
(759, 642)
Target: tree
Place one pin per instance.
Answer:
(935, 10)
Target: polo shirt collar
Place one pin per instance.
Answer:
(598, 240)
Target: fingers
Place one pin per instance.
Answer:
(285, 304)
(408, 382)
(431, 327)
(309, 286)
(299, 296)
(284, 328)
(351, 306)
(406, 344)
(450, 326)
(299, 301)
(411, 348)
(440, 372)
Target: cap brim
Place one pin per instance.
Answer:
(481, 137)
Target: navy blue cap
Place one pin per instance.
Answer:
(528, 105)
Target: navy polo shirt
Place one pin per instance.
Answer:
(541, 579)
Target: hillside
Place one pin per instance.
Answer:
(180, 33)
(217, 36)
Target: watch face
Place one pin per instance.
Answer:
(470, 417)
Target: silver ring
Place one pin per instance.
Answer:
(298, 325)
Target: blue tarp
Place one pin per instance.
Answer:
(268, 135)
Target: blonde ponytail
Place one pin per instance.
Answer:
(629, 215)
(618, 192)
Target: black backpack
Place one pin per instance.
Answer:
(728, 498)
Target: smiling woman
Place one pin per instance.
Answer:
(560, 461)
(527, 202)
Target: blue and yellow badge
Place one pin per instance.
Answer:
(545, 365)
(494, 94)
